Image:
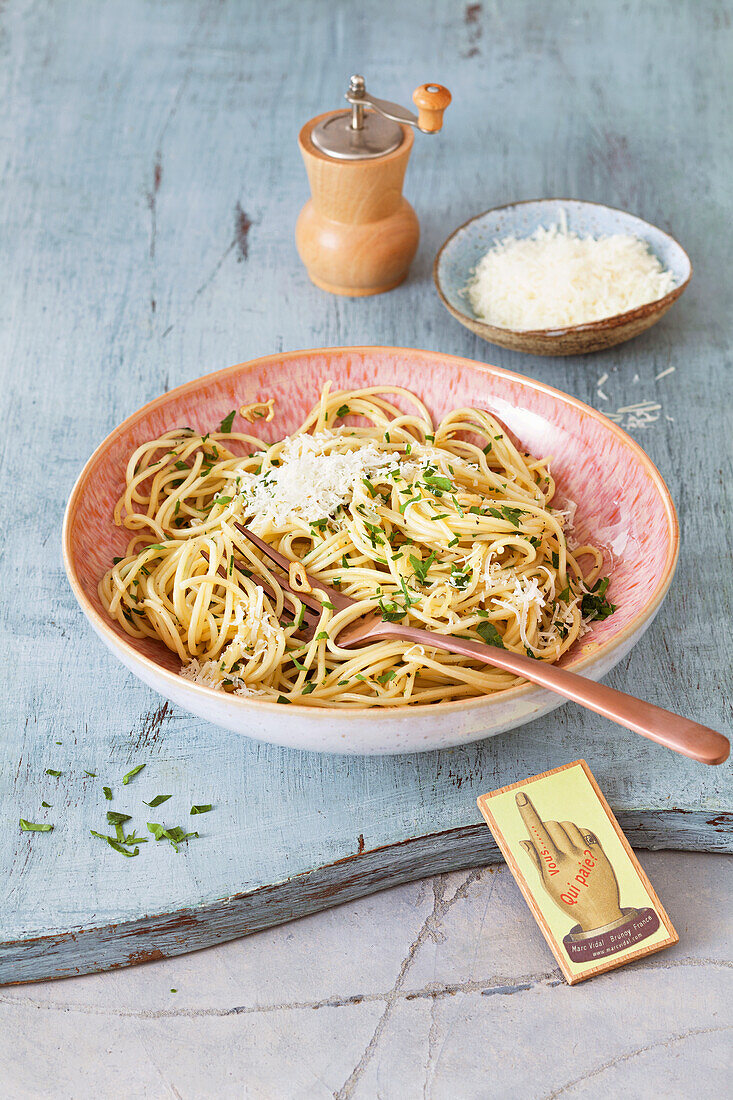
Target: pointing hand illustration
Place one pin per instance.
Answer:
(573, 868)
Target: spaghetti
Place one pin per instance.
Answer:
(449, 527)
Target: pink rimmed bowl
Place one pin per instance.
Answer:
(623, 506)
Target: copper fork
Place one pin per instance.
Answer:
(676, 733)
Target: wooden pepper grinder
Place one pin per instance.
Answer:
(357, 235)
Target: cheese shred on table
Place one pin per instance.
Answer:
(556, 279)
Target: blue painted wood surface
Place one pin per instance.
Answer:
(151, 181)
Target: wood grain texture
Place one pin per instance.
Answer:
(357, 235)
(151, 181)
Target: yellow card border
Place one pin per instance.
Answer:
(557, 948)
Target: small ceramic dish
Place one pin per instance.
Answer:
(458, 257)
(623, 506)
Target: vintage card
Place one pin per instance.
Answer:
(583, 883)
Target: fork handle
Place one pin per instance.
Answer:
(676, 733)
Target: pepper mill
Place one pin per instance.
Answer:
(357, 234)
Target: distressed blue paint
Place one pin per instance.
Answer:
(151, 181)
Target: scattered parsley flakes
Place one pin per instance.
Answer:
(421, 567)
(126, 778)
(594, 605)
(116, 818)
(51, 771)
(34, 827)
(490, 634)
(46, 805)
(459, 578)
(92, 775)
(116, 844)
(204, 809)
(343, 410)
(435, 482)
(175, 834)
(226, 424)
(158, 800)
(107, 793)
(392, 612)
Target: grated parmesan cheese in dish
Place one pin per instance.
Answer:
(311, 482)
(556, 279)
(209, 674)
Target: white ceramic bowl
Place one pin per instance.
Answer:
(623, 506)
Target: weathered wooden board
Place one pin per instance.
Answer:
(150, 184)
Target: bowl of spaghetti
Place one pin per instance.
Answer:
(441, 492)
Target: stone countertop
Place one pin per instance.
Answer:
(440, 989)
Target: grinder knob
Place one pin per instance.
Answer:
(431, 100)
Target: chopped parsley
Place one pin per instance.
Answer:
(343, 410)
(392, 612)
(226, 424)
(490, 634)
(175, 834)
(116, 818)
(433, 482)
(126, 778)
(34, 827)
(594, 604)
(203, 809)
(157, 801)
(406, 503)
(511, 515)
(118, 845)
(107, 793)
(459, 578)
(421, 567)
(51, 771)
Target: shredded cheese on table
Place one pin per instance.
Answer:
(556, 279)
